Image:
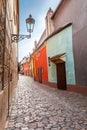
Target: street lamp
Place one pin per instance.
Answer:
(30, 26)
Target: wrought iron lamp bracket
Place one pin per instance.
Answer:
(17, 38)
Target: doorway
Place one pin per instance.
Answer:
(40, 75)
(61, 76)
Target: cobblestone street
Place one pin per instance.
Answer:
(39, 107)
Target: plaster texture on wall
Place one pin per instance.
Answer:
(58, 44)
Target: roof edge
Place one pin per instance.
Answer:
(57, 8)
(55, 32)
(58, 30)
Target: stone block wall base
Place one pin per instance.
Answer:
(78, 89)
(71, 88)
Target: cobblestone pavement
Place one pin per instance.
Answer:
(39, 107)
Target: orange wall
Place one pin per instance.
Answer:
(40, 60)
(26, 68)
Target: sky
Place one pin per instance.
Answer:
(38, 9)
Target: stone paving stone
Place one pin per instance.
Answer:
(54, 129)
(25, 128)
(40, 128)
(33, 125)
(39, 107)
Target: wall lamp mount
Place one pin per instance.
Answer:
(29, 25)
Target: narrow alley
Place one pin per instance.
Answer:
(39, 107)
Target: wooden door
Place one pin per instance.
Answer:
(40, 75)
(61, 76)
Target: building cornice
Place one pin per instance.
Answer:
(58, 30)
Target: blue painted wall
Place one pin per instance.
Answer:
(58, 44)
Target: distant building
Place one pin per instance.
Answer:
(21, 67)
(31, 66)
(24, 66)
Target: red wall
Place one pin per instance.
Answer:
(40, 61)
(26, 68)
